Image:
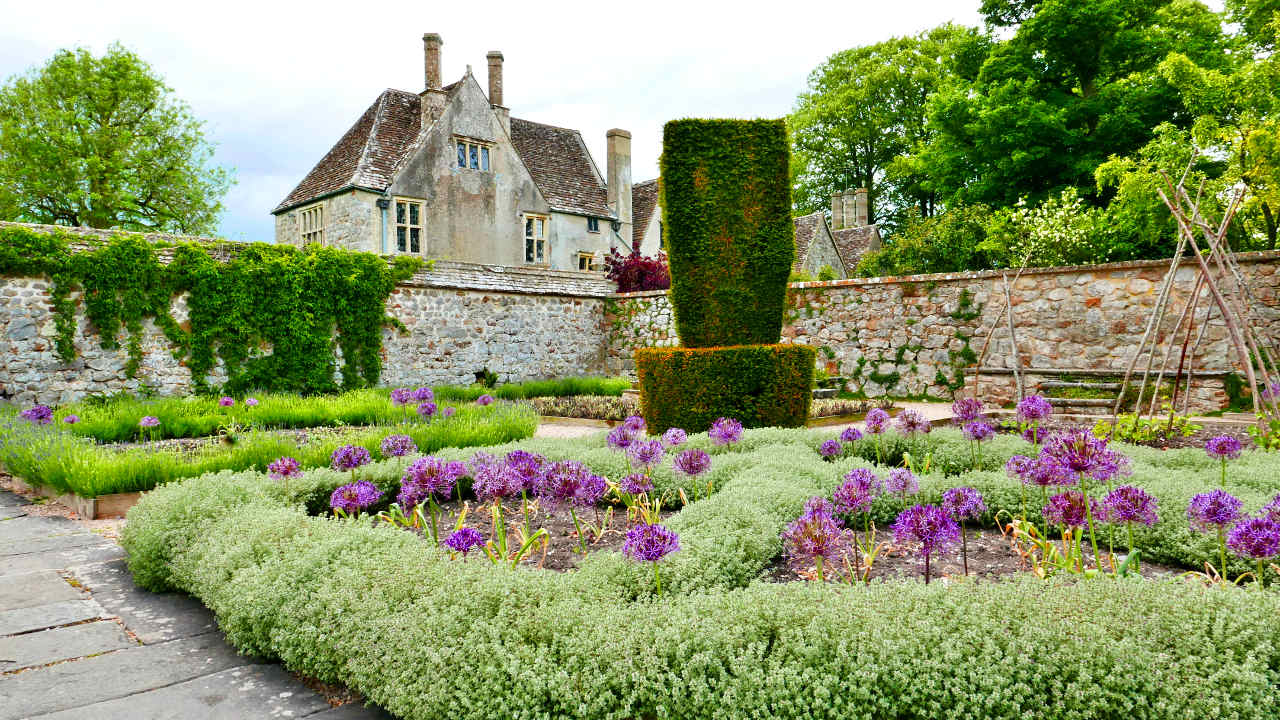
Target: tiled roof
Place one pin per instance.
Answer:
(806, 229)
(561, 167)
(853, 243)
(644, 198)
(368, 154)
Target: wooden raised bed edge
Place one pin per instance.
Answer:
(114, 505)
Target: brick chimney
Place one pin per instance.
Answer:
(619, 179)
(433, 96)
(861, 216)
(837, 211)
(495, 90)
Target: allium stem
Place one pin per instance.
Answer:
(1222, 548)
(964, 549)
(1224, 470)
(1261, 579)
(657, 579)
(435, 513)
(926, 569)
(524, 511)
(1137, 563)
(582, 545)
(1088, 516)
(819, 561)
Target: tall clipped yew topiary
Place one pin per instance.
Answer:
(726, 200)
(726, 213)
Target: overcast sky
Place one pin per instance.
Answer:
(278, 84)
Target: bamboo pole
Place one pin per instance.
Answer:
(1013, 339)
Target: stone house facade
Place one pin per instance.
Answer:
(447, 173)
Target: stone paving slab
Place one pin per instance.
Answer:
(8, 512)
(58, 559)
(74, 641)
(251, 691)
(39, 588)
(40, 617)
(153, 617)
(30, 526)
(69, 685)
(47, 543)
(9, 499)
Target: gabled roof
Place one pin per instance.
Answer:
(561, 167)
(807, 228)
(644, 198)
(853, 243)
(368, 154)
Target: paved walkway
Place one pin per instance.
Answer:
(79, 640)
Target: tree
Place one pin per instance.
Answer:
(866, 108)
(102, 142)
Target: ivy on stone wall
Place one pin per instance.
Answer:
(273, 314)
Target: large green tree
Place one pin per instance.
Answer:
(103, 142)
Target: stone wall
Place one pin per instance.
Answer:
(908, 336)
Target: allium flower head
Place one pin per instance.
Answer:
(71, 419)
(674, 437)
(692, 462)
(1223, 447)
(635, 424)
(422, 394)
(251, 402)
(646, 453)
(354, 497)
(725, 431)
(1081, 453)
(929, 526)
(1211, 511)
(636, 484)
(830, 449)
(226, 401)
(819, 504)
(1129, 504)
(1042, 471)
(1272, 509)
(349, 457)
(876, 421)
(901, 482)
(448, 412)
(1033, 408)
(979, 431)
(850, 434)
(284, 468)
(492, 479)
(149, 421)
(963, 503)
(815, 534)
(620, 438)
(430, 476)
(39, 415)
(1067, 510)
(857, 492)
(526, 467)
(398, 446)
(464, 540)
(911, 422)
(649, 543)
(569, 482)
(484, 400)
(1256, 538)
(426, 409)
(401, 396)
(966, 410)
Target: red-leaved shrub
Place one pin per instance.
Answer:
(635, 272)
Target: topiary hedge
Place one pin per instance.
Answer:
(760, 385)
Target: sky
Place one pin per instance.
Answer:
(278, 83)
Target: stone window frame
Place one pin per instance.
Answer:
(406, 245)
(537, 250)
(590, 261)
(472, 154)
(593, 224)
(311, 224)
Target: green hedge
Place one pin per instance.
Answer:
(726, 204)
(426, 637)
(759, 385)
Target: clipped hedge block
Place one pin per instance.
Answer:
(726, 213)
(759, 385)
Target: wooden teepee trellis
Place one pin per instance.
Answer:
(1229, 296)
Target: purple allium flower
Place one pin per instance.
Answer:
(422, 394)
(819, 504)
(649, 543)
(448, 412)
(426, 409)
(398, 446)
(635, 484)
(620, 438)
(1033, 435)
(71, 419)
(850, 434)
(1130, 504)
(1080, 453)
(1271, 392)
(725, 431)
(526, 467)
(149, 421)
(492, 479)
(966, 410)
(901, 482)
(284, 468)
(251, 402)
(692, 462)
(911, 422)
(1042, 471)
(857, 492)
(464, 540)
(401, 396)
(963, 503)
(927, 525)
(38, 415)
(1213, 511)
(830, 449)
(1256, 538)
(1223, 447)
(226, 401)
(815, 535)
(1033, 408)
(429, 476)
(354, 497)
(979, 431)
(876, 421)
(634, 424)
(674, 437)
(1067, 510)
(349, 457)
(569, 482)
(484, 400)
(1272, 509)
(646, 453)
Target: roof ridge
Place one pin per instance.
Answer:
(555, 127)
(363, 161)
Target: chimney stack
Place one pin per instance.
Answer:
(860, 213)
(837, 211)
(495, 77)
(431, 49)
(619, 179)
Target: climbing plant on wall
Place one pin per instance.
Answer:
(274, 315)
